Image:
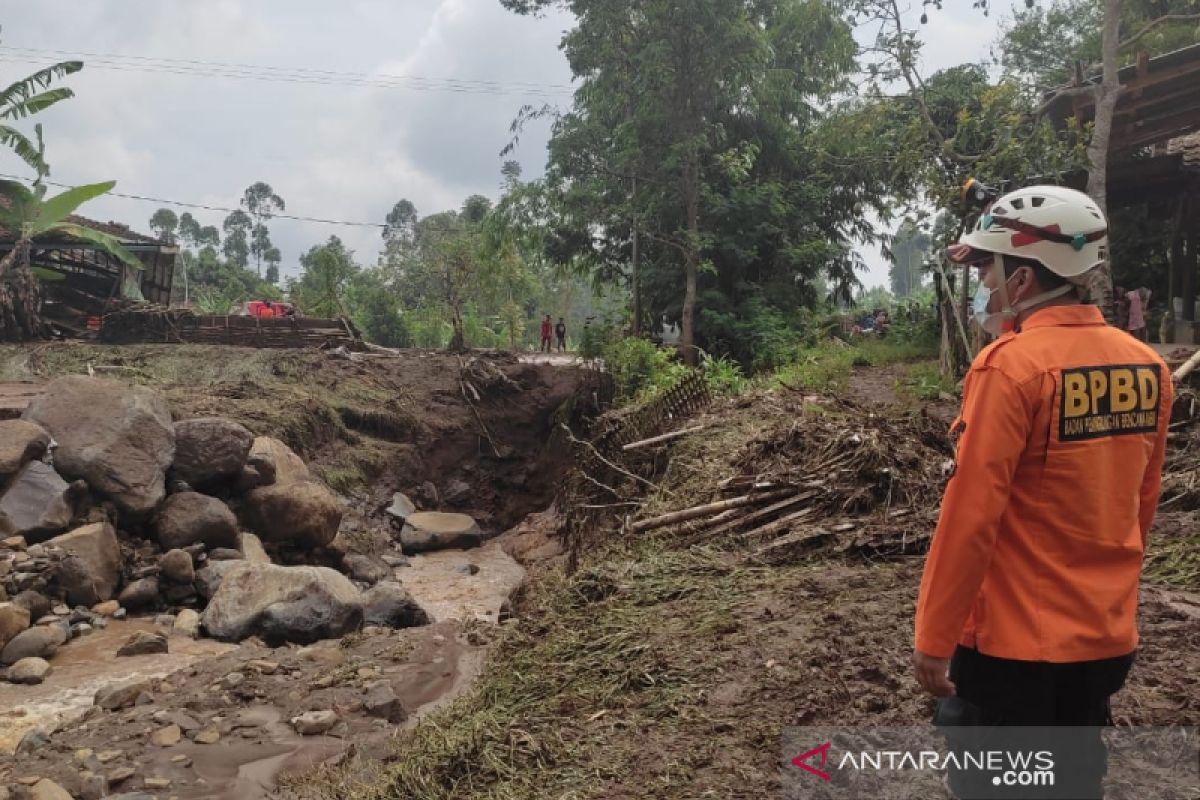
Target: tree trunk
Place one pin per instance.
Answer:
(1100, 288)
(20, 298)
(635, 278)
(687, 338)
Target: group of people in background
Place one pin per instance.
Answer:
(874, 324)
(559, 331)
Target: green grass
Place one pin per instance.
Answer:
(827, 367)
(925, 381)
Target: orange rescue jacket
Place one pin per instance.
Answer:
(1060, 442)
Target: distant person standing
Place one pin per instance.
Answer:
(560, 333)
(1137, 315)
(547, 327)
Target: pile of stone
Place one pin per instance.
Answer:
(109, 507)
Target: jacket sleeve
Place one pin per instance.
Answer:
(998, 419)
(1152, 480)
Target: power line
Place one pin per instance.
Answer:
(217, 69)
(201, 206)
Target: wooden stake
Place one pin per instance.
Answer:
(708, 509)
(666, 437)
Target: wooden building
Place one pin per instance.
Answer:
(1154, 160)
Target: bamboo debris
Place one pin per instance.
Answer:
(777, 525)
(705, 510)
(762, 514)
(666, 437)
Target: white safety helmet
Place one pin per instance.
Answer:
(1061, 228)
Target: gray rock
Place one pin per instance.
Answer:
(121, 695)
(368, 569)
(457, 492)
(252, 549)
(187, 623)
(31, 671)
(434, 530)
(81, 629)
(180, 594)
(36, 739)
(39, 504)
(143, 643)
(36, 603)
(381, 701)
(225, 554)
(282, 604)
(303, 513)
(40, 642)
(276, 463)
(118, 438)
(209, 577)
(190, 518)
(165, 620)
(210, 450)
(401, 508)
(177, 565)
(92, 786)
(21, 441)
(389, 605)
(468, 569)
(92, 569)
(139, 595)
(314, 723)
(14, 619)
(395, 561)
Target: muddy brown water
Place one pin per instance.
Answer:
(439, 667)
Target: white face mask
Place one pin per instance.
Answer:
(999, 322)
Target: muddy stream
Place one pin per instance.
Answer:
(426, 667)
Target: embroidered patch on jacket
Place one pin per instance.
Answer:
(1112, 400)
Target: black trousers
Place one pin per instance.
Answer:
(998, 693)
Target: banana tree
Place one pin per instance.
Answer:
(26, 214)
(25, 98)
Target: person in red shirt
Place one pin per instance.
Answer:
(1026, 611)
(547, 333)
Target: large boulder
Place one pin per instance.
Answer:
(41, 641)
(282, 604)
(303, 513)
(434, 530)
(14, 619)
(189, 518)
(389, 605)
(210, 450)
(21, 441)
(92, 569)
(276, 462)
(38, 503)
(116, 437)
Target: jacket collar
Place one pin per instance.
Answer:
(1053, 316)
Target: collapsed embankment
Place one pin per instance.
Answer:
(670, 662)
(198, 718)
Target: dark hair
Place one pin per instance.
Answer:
(1045, 278)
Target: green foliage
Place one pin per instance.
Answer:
(326, 273)
(29, 96)
(826, 367)
(164, 222)
(925, 381)
(724, 376)
(640, 369)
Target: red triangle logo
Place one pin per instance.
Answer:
(823, 751)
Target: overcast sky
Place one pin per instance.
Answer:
(335, 149)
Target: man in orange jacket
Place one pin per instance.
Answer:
(1030, 587)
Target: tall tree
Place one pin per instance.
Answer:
(261, 203)
(907, 251)
(273, 258)
(664, 142)
(325, 274)
(164, 222)
(238, 226)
